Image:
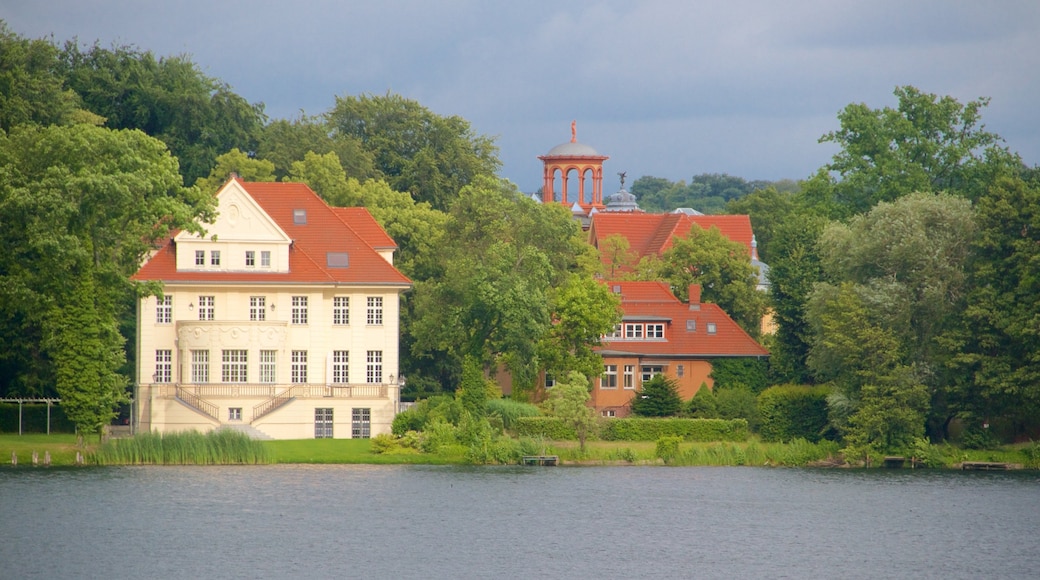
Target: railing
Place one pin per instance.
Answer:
(253, 390)
(196, 402)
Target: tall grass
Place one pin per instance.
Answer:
(221, 447)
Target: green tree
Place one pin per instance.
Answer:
(31, 88)
(658, 397)
(927, 143)
(617, 250)
(703, 405)
(722, 268)
(997, 367)
(88, 202)
(568, 401)
(237, 162)
(432, 157)
(583, 310)
(768, 210)
(284, 142)
(198, 117)
(737, 402)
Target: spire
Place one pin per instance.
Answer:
(574, 131)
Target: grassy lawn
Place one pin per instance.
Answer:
(62, 447)
(345, 451)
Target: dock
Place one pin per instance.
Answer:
(542, 460)
(986, 466)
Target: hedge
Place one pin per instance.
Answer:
(638, 429)
(788, 412)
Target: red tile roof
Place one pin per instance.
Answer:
(654, 302)
(651, 234)
(351, 230)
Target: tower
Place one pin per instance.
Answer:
(584, 162)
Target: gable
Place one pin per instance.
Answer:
(239, 219)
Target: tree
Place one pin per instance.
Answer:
(583, 311)
(616, 249)
(722, 268)
(284, 142)
(658, 397)
(568, 402)
(927, 143)
(198, 117)
(415, 150)
(90, 203)
(501, 254)
(31, 89)
(237, 162)
(703, 405)
(997, 343)
(768, 210)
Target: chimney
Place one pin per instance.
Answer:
(695, 294)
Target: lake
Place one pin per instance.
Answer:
(343, 521)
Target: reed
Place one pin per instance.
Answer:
(222, 447)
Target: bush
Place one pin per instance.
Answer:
(510, 410)
(545, 427)
(647, 429)
(749, 372)
(737, 402)
(787, 412)
(443, 407)
(703, 404)
(667, 448)
(658, 397)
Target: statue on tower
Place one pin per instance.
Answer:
(574, 131)
(622, 175)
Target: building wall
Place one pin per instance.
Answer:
(618, 400)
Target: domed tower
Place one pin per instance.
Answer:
(581, 159)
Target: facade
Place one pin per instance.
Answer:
(659, 334)
(282, 321)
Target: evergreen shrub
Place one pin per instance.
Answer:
(786, 412)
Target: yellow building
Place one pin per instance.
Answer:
(282, 321)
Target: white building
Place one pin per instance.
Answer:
(282, 321)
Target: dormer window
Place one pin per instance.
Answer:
(299, 216)
(337, 259)
(711, 328)
(691, 326)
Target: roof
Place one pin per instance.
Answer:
(350, 230)
(572, 149)
(654, 302)
(652, 234)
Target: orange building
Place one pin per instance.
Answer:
(659, 334)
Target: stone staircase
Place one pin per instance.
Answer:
(249, 430)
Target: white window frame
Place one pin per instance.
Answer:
(234, 413)
(200, 257)
(163, 365)
(265, 258)
(299, 310)
(268, 366)
(630, 377)
(164, 309)
(648, 372)
(199, 366)
(711, 328)
(234, 366)
(341, 310)
(633, 331)
(299, 367)
(257, 308)
(250, 258)
(608, 381)
(654, 331)
(341, 367)
(323, 423)
(214, 257)
(375, 311)
(374, 367)
(361, 423)
(207, 308)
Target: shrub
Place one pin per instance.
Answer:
(667, 448)
(510, 410)
(438, 433)
(737, 402)
(703, 404)
(790, 411)
(443, 407)
(750, 372)
(546, 427)
(648, 429)
(658, 397)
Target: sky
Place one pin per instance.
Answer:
(669, 88)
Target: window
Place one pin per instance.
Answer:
(550, 381)
(299, 310)
(200, 366)
(711, 328)
(609, 413)
(233, 366)
(257, 308)
(322, 423)
(680, 370)
(361, 423)
(234, 413)
(250, 258)
(609, 378)
(655, 331)
(267, 365)
(633, 331)
(200, 257)
(616, 333)
(206, 307)
(299, 216)
(164, 310)
(214, 258)
(649, 372)
(341, 310)
(691, 326)
(341, 366)
(163, 366)
(299, 366)
(374, 369)
(265, 259)
(375, 310)
(337, 259)
(630, 376)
